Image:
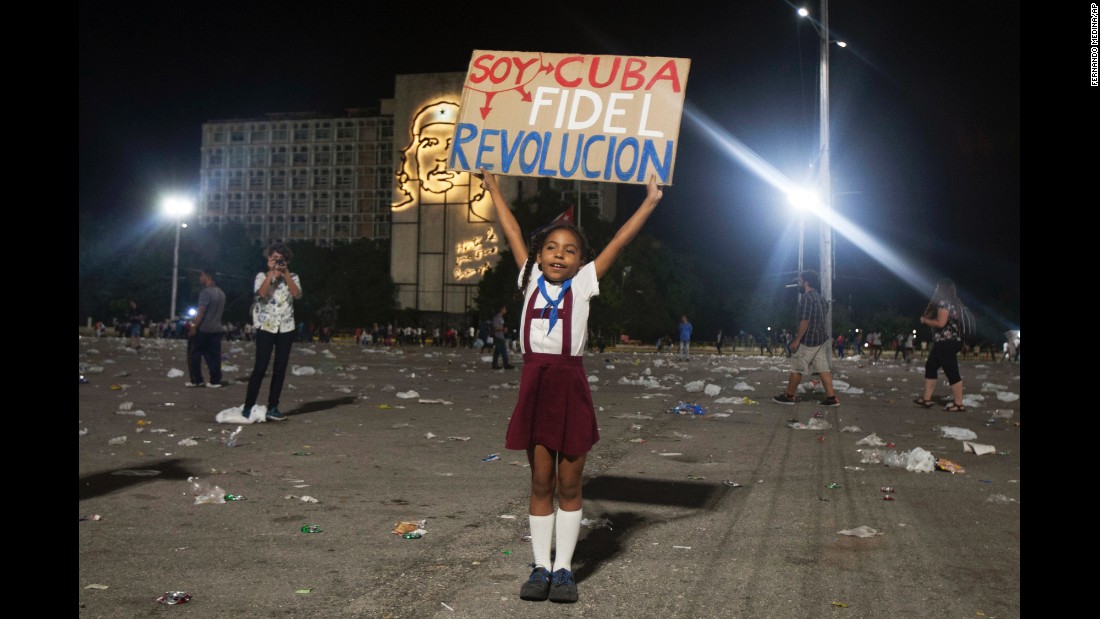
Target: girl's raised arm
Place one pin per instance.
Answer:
(507, 220)
(630, 229)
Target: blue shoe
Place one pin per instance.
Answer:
(274, 414)
(562, 587)
(537, 586)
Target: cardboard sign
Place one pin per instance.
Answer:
(570, 116)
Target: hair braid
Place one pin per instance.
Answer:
(531, 253)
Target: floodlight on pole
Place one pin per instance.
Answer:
(177, 208)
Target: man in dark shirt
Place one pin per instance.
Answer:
(810, 352)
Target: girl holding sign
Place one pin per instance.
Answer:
(554, 420)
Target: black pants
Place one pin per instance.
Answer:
(943, 355)
(266, 342)
(208, 347)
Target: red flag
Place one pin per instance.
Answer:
(567, 216)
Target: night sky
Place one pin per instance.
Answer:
(925, 113)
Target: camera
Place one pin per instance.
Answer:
(281, 263)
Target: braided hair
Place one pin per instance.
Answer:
(538, 239)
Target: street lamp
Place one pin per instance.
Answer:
(178, 208)
(826, 228)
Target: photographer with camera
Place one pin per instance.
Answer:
(273, 321)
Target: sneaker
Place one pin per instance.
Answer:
(537, 586)
(193, 384)
(830, 401)
(509, 367)
(783, 398)
(274, 414)
(213, 385)
(496, 367)
(562, 587)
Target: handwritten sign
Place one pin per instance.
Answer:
(570, 116)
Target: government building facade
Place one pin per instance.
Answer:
(374, 173)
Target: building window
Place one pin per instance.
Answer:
(236, 136)
(278, 134)
(299, 179)
(258, 133)
(320, 178)
(322, 156)
(299, 156)
(257, 157)
(323, 131)
(278, 155)
(215, 158)
(236, 180)
(301, 132)
(345, 155)
(217, 135)
(237, 157)
(278, 179)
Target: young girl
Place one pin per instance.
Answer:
(554, 420)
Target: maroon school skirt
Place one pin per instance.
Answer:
(555, 406)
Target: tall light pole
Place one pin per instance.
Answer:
(826, 185)
(826, 195)
(177, 208)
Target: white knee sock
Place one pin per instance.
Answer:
(542, 535)
(568, 531)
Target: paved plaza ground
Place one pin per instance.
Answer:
(752, 509)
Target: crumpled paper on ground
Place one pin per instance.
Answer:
(860, 531)
(813, 424)
(978, 449)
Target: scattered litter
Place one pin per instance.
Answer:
(600, 523)
(685, 408)
(731, 483)
(305, 498)
(406, 527)
(743, 386)
(205, 493)
(961, 434)
(851, 429)
(509, 516)
(311, 528)
(429, 435)
(303, 370)
(670, 453)
(458, 438)
(118, 440)
(175, 373)
(235, 414)
(405, 395)
(978, 449)
(304, 591)
(188, 442)
(683, 547)
(813, 424)
(95, 586)
(840, 604)
(92, 517)
(999, 498)
(1002, 413)
(491, 458)
(232, 440)
(433, 401)
(871, 439)
(174, 597)
(712, 390)
(860, 531)
(944, 464)
(447, 607)
(695, 386)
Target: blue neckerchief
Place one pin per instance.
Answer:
(550, 303)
